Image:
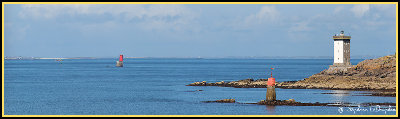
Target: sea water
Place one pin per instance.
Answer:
(156, 86)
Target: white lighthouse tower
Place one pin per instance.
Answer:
(341, 51)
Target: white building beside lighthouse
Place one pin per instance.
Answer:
(341, 51)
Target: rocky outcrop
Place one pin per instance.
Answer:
(246, 83)
(371, 74)
(290, 102)
(223, 101)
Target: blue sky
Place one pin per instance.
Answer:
(192, 30)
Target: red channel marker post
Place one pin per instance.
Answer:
(271, 95)
(121, 58)
(120, 61)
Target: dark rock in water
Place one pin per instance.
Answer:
(223, 101)
(194, 91)
(387, 94)
(276, 102)
(292, 102)
(380, 93)
(380, 104)
(334, 93)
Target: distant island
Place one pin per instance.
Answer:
(37, 58)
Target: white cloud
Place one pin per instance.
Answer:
(386, 10)
(265, 14)
(375, 10)
(338, 9)
(382, 7)
(16, 31)
(49, 11)
(300, 26)
(166, 16)
(99, 27)
(374, 16)
(360, 10)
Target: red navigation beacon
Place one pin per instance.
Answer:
(271, 81)
(121, 58)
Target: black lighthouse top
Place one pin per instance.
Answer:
(341, 36)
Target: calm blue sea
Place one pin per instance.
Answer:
(157, 87)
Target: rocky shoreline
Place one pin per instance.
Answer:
(222, 101)
(373, 75)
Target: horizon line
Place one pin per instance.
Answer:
(200, 57)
